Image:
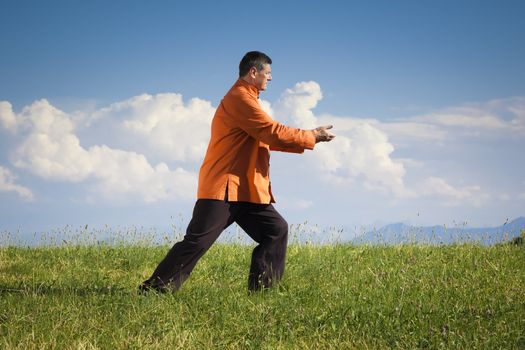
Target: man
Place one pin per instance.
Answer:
(234, 183)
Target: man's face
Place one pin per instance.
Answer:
(263, 76)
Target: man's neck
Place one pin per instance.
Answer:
(247, 79)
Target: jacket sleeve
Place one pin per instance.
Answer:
(250, 117)
(290, 150)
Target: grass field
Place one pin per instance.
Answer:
(332, 297)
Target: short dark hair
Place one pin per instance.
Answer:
(253, 59)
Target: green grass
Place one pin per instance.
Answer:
(337, 297)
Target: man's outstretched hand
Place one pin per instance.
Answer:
(322, 135)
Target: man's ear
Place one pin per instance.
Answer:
(253, 72)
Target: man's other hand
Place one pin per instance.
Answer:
(322, 135)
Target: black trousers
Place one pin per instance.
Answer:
(210, 217)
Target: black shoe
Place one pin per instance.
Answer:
(146, 287)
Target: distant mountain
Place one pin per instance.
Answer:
(400, 233)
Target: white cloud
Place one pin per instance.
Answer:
(52, 151)
(411, 163)
(7, 118)
(515, 106)
(163, 122)
(504, 197)
(360, 150)
(366, 152)
(436, 185)
(165, 127)
(296, 103)
(295, 203)
(120, 173)
(266, 106)
(7, 184)
(464, 117)
(361, 154)
(402, 132)
(162, 126)
(495, 116)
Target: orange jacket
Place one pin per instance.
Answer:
(238, 155)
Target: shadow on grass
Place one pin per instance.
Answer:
(53, 289)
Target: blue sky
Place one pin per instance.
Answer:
(427, 100)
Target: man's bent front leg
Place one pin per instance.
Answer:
(268, 228)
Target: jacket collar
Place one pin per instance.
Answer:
(251, 88)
